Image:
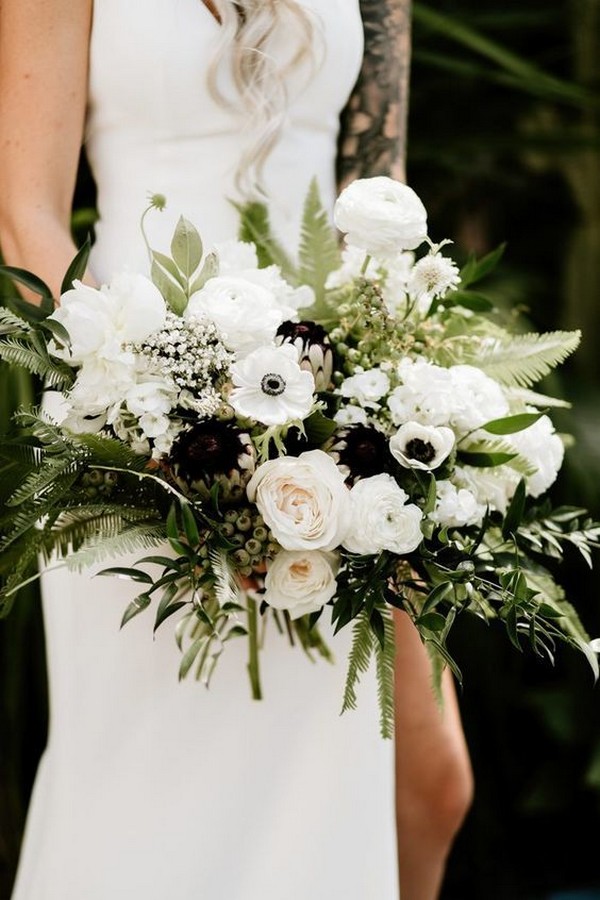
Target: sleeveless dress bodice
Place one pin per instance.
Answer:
(151, 789)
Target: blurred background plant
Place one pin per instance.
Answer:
(504, 145)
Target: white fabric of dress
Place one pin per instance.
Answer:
(150, 789)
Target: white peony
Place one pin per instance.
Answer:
(456, 506)
(247, 314)
(101, 321)
(301, 581)
(382, 519)
(366, 387)
(543, 448)
(381, 216)
(460, 397)
(101, 383)
(270, 386)
(422, 447)
(303, 500)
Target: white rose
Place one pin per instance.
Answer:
(382, 519)
(455, 507)
(422, 447)
(246, 313)
(301, 581)
(381, 216)
(366, 387)
(303, 500)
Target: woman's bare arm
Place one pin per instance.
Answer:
(43, 89)
(373, 128)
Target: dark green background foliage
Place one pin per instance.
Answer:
(504, 145)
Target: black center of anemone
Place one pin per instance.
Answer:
(420, 450)
(272, 384)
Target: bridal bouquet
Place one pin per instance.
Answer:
(350, 433)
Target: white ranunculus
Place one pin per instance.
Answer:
(456, 506)
(543, 448)
(247, 314)
(101, 321)
(381, 216)
(301, 581)
(422, 447)
(270, 386)
(303, 500)
(382, 519)
(350, 415)
(366, 387)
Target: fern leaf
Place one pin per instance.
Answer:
(255, 228)
(10, 323)
(107, 451)
(319, 250)
(226, 589)
(523, 359)
(19, 352)
(38, 482)
(358, 659)
(74, 528)
(533, 398)
(384, 664)
(139, 537)
(493, 446)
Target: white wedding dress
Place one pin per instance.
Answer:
(150, 789)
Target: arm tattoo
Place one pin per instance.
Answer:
(373, 124)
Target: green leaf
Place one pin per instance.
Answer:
(58, 332)
(29, 280)
(137, 606)
(209, 270)
(20, 352)
(319, 428)
(169, 266)
(186, 247)
(319, 249)
(432, 621)
(190, 655)
(476, 269)
(435, 596)
(78, 266)
(468, 300)
(376, 621)
(484, 460)
(172, 292)
(512, 424)
(131, 574)
(385, 655)
(189, 526)
(514, 513)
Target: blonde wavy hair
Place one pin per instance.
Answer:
(247, 27)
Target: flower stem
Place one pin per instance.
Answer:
(365, 264)
(253, 668)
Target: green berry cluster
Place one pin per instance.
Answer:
(98, 484)
(252, 541)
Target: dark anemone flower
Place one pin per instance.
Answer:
(213, 452)
(360, 451)
(314, 349)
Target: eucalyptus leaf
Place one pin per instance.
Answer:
(186, 247)
(169, 266)
(209, 270)
(172, 292)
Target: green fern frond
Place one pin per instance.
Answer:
(521, 360)
(384, 664)
(139, 537)
(23, 567)
(358, 659)
(319, 250)
(255, 228)
(38, 482)
(18, 352)
(83, 525)
(491, 446)
(533, 398)
(106, 451)
(10, 323)
(27, 516)
(225, 587)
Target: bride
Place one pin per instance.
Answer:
(149, 788)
